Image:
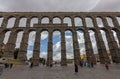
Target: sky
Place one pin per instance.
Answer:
(59, 6)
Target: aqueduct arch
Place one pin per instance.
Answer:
(62, 27)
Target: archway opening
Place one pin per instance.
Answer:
(78, 21)
(44, 45)
(110, 22)
(89, 22)
(69, 47)
(56, 47)
(67, 21)
(30, 47)
(11, 22)
(33, 21)
(6, 38)
(81, 41)
(56, 20)
(99, 22)
(22, 22)
(19, 39)
(45, 20)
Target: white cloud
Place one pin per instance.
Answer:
(31, 39)
(29, 54)
(44, 35)
(43, 55)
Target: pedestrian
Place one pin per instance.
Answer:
(106, 66)
(6, 65)
(81, 63)
(76, 68)
(11, 65)
(92, 64)
(51, 65)
(31, 65)
(88, 65)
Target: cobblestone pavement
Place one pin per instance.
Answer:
(58, 72)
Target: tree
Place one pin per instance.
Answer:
(16, 53)
(42, 60)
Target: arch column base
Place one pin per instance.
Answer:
(63, 62)
(49, 63)
(103, 60)
(116, 59)
(22, 57)
(8, 54)
(35, 61)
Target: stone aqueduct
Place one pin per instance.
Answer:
(62, 27)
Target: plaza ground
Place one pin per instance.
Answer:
(58, 72)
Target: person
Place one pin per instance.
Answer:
(76, 68)
(92, 64)
(11, 64)
(88, 65)
(81, 63)
(6, 65)
(31, 65)
(50, 65)
(106, 66)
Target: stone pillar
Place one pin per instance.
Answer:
(63, 50)
(10, 46)
(114, 50)
(103, 56)
(17, 22)
(50, 50)
(89, 50)
(62, 22)
(115, 22)
(72, 21)
(50, 20)
(2, 36)
(105, 23)
(36, 50)
(76, 48)
(39, 20)
(28, 22)
(4, 23)
(83, 21)
(118, 36)
(23, 47)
